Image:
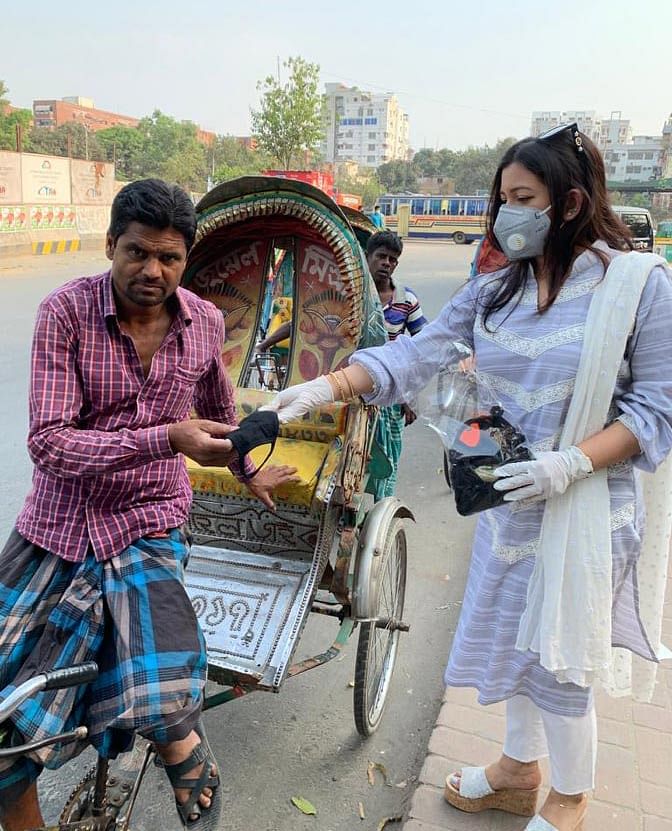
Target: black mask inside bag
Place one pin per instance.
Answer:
(486, 443)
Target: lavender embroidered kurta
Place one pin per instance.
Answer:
(531, 360)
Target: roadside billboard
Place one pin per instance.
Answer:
(92, 182)
(10, 178)
(45, 179)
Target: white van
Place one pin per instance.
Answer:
(640, 224)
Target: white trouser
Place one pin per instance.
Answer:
(569, 741)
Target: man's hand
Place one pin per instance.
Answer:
(408, 414)
(203, 441)
(268, 479)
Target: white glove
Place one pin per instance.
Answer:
(550, 474)
(296, 401)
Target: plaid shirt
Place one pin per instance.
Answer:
(105, 474)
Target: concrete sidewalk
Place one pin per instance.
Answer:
(634, 769)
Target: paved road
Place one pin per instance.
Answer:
(303, 741)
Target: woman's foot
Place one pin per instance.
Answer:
(566, 813)
(508, 773)
(506, 785)
(177, 752)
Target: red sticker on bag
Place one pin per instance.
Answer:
(471, 436)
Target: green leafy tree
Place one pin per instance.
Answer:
(475, 167)
(171, 150)
(123, 147)
(366, 185)
(71, 139)
(289, 123)
(429, 162)
(9, 137)
(9, 121)
(397, 176)
(231, 158)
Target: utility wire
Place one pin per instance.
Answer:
(452, 104)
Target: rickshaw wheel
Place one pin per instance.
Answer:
(377, 646)
(446, 470)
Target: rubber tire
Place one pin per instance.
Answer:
(459, 238)
(446, 470)
(366, 721)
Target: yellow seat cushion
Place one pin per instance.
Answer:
(320, 425)
(307, 456)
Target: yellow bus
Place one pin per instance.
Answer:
(457, 218)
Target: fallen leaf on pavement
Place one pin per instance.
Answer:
(371, 769)
(304, 806)
(387, 821)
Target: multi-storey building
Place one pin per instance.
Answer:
(639, 161)
(52, 113)
(362, 127)
(614, 131)
(588, 122)
(626, 157)
(666, 164)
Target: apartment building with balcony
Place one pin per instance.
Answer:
(363, 127)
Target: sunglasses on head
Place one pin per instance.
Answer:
(573, 128)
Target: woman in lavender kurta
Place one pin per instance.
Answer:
(526, 326)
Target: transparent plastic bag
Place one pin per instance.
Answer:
(477, 437)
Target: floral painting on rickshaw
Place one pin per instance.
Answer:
(325, 332)
(234, 281)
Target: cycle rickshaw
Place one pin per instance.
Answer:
(255, 576)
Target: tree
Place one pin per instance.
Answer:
(231, 158)
(428, 162)
(72, 139)
(171, 150)
(8, 129)
(476, 166)
(290, 120)
(10, 119)
(397, 176)
(123, 147)
(365, 185)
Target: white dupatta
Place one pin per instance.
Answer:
(567, 619)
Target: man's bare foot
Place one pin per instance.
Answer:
(563, 811)
(508, 773)
(176, 752)
(24, 812)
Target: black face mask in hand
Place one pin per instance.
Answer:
(486, 443)
(260, 427)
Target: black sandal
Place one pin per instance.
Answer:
(260, 427)
(206, 819)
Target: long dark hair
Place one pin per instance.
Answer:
(559, 164)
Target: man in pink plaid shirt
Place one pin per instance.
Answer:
(93, 569)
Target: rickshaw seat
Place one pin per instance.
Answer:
(308, 457)
(312, 445)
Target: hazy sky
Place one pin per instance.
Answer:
(466, 72)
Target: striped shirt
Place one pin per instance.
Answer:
(403, 313)
(105, 473)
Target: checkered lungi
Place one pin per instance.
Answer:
(132, 616)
